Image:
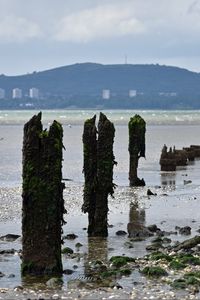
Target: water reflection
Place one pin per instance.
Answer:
(136, 225)
(97, 255)
(168, 180)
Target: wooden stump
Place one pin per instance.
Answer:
(137, 129)
(98, 171)
(43, 204)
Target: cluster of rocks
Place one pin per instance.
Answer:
(172, 158)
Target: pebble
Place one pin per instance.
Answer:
(55, 296)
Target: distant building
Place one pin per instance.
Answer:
(106, 94)
(2, 93)
(17, 93)
(34, 93)
(132, 93)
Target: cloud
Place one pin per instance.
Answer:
(98, 22)
(18, 29)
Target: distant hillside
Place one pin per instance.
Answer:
(81, 85)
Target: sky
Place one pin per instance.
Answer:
(37, 35)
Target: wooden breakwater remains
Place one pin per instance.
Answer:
(99, 161)
(43, 204)
(42, 196)
(172, 158)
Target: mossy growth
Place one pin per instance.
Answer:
(189, 259)
(110, 273)
(186, 281)
(177, 264)
(179, 284)
(160, 255)
(154, 271)
(67, 250)
(181, 261)
(116, 273)
(27, 267)
(125, 272)
(192, 274)
(119, 261)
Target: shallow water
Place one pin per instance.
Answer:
(180, 207)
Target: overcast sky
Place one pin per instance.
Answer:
(42, 34)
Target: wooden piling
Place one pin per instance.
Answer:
(43, 204)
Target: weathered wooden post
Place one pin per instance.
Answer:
(105, 164)
(137, 129)
(43, 204)
(98, 171)
(90, 171)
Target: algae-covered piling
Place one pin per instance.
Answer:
(98, 172)
(137, 129)
(43, 204)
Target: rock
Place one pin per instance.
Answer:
(167, 240)
(153, 228)
(9, 237)
(11, 275)
(8, 251)
(68, 272)
(75, 267)
(116, 286)
(185, 230)
(186, 182)
(188, 244)
(70, 236)
(54, 282)
(138, 230)
(129, 245)
(67, 250)
(78, 245)
(154, 247)
(150, 193)
(18, 288)
(121, 232)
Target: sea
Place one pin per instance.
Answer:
(178, 193)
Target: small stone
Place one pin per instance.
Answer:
(121, 232)
(185, 230)
(78, 245)
(68, 272)
(153, 228)
(55, 296)
(54, 282)
(7, 251)
(9, 237)
(150, 193)
(67, 250)
(70, 236)
(11, 275)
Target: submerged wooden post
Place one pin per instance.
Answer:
(137, 129)
(98, 171)
(43, 204)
